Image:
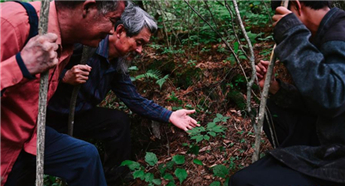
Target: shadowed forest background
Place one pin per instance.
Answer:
(200, 59)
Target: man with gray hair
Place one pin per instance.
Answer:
(107, 70)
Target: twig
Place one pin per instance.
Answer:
(42, 104)
(252, 58)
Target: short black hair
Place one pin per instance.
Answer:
(316, 5)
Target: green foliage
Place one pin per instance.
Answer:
(51, 181)
(221, 171)
(181, 174)
(140, 172)
(151, 158)
(198, 162)
(215, 183)
(161, 81)
(154, 74)
(178, 159)
(201, 133)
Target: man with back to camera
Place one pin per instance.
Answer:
(310, 114)
(107, 70)
(70, 22)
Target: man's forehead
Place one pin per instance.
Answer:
(119, 10)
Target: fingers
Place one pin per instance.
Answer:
(83, 70)
(280, 13)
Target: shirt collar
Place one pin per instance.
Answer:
(102, 49)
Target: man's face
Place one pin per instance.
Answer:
(122, 44)
(98, 26)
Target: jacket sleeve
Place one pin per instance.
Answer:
(11, 44)
(124, 89)
(319, 74)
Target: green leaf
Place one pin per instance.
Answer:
(181, 174)
(236, 47)
(157, 181)
(198, 138)
(168, 176)
(132, 165)
(161, 81)
(162, 168)
(149, 177)
(211, 124)
(215, 183)
(139, 174)
(221, 171)
(194, 149)
(213, 134)
(218, 129)
(151, 158)
(171, 183)
(179, 159)
(206, 137)
(215, 120)
(133, 68)
(198, 162)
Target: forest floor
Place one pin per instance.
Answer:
(216, 88)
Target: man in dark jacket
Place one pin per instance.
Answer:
(107, 70)
(310, 122)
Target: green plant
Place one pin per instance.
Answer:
(140, 172)
(201, 133)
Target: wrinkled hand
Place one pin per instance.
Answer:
(280, 13)
(78, 74)
(182, 120)
(39, 54)
(261, 70)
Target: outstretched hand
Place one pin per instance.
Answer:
(182, 120)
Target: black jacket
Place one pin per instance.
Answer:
(317, 67)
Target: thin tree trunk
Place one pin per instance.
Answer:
(251, 59)
(258, 127)
(42, 104)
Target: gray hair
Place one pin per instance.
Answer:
(134, 19)
(102, 6)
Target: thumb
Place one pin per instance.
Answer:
(189, 111)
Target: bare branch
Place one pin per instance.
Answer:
(42, 100)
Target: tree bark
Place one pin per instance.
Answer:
(42, 104)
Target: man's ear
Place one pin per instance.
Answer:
(87, 5)
(119, 30)
(298, 7)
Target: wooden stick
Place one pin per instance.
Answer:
(87, 53)
(258, 128)
(42, 104)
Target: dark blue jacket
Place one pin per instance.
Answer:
(104, 77)
(317, 67)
